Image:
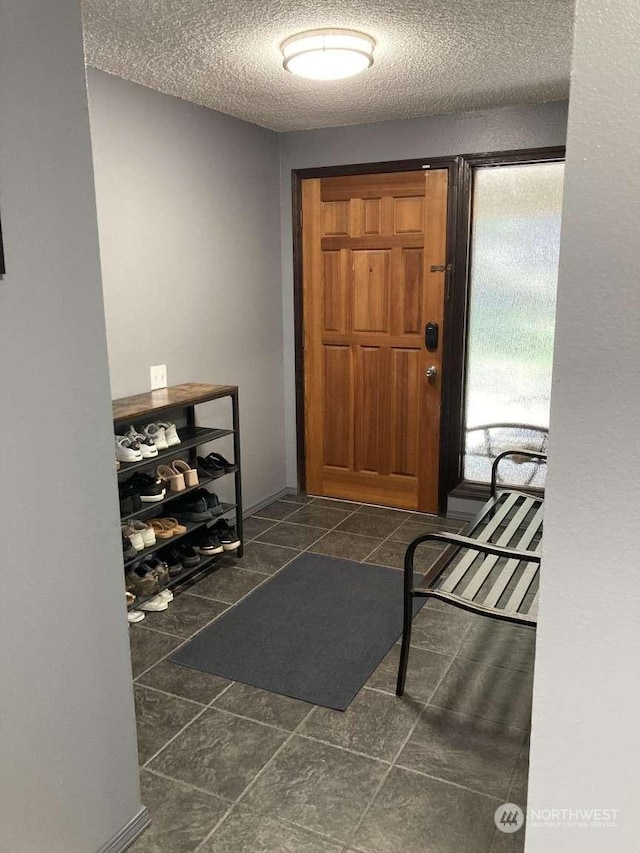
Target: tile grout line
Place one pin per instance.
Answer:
(448, 782)
(226, 712)
(342, 748)
(140, 627)
(364, 814)
(250, 784)
(290, 823)
(384, 541)
(311, 526)
(184, 728)
(171, 739)
(172, 695)
(162, 775)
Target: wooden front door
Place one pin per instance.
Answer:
(372, 415)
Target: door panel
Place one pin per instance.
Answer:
(367, 412)
(372, 419)
(405, 394)
(336, 292)
(336, 217)
(371, 291)
(337, 417)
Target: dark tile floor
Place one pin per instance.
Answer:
(227, 768)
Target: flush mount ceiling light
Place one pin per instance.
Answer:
(328, 54)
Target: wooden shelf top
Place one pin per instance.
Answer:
(155, 402)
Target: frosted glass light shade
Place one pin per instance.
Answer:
(328, 54)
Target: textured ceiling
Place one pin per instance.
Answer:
(432, 56)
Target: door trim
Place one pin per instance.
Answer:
(455, 309)
(299, 175)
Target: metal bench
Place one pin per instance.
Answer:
(491, 569)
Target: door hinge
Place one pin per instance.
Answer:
(301, 218)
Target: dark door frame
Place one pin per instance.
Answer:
(460, 175)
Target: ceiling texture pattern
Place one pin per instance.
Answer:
(434, 56)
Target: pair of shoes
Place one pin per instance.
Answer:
(227, 534)
(132, 615)
(177, 477)
(141, 581)
(148, 449)
(181, 556)
(220, 537)
(148, 577)
(196, 507)
(163, 435)
(127, 450)
(140, 535)
(211, 500)
(214, 465)
(208, 543)
(139, 489)
(165, 528)
(137, 445)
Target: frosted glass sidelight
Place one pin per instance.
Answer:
(513, 277)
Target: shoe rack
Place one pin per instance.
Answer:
(178, 404)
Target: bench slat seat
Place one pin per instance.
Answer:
(493, 569)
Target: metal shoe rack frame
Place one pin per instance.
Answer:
(177, 404)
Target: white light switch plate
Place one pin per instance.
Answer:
(158, 374)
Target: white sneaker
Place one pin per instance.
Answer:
(166, 594)
(135, 537)
(156, 433)
(170, 434)
(147, 446)
(135, 616)
(145, 531)
(154, 605)
(127, 450)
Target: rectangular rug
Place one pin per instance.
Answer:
(315, 631)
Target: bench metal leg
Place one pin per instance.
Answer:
(407, 620)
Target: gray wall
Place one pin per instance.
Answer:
(437, 136)
(68, 771)
(189, 223)
(585, 742)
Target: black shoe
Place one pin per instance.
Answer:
(188, 556)
(192, 509)
(206, 471)
(209, 544)
(129, 498)
(129, 504)
(227, 535)
(216, 461)
(211, 499)
(173, 561)
(150, 489)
